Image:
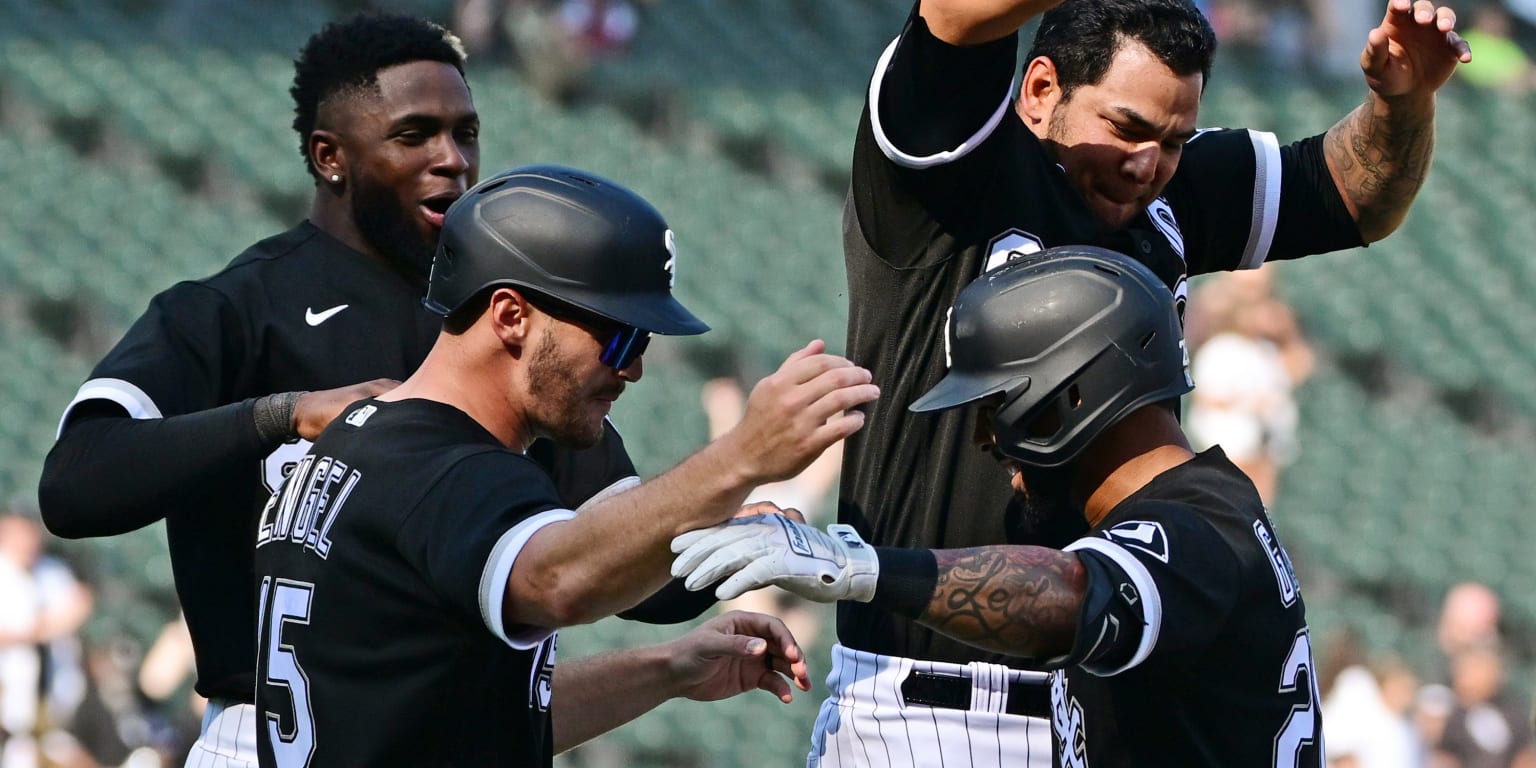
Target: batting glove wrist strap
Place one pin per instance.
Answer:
(754, 552)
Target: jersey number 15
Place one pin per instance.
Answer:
(291, 732)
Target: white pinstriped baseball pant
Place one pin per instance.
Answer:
(867, 722)
(228, 739)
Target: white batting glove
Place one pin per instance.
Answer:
(765, 550)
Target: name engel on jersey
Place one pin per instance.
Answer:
(306, 507)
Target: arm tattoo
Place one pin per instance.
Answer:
(1381, 154)
(1018, 600)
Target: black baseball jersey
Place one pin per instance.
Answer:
(382, 566)
(297, 311)
(1210, 662)
(949, 182)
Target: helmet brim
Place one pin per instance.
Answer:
(958, 388)
(657, 313)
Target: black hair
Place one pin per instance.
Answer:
(347, 55)
(1082, 37)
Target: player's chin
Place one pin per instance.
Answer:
(1116, 214)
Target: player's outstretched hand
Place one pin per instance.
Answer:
(317, 409)
(1415, 49)
(736, 652)
(799, 411)
(756, 552)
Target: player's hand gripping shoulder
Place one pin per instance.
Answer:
(737, 652)
(797, 412)
(1414, 50)
(317, 409)
(765, 550)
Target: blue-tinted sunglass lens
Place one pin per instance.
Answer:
(626, 345)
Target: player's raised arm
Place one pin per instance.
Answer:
(973, 22)
(615, 553)
(1379, 154)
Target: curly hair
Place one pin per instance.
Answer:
(347, 56)
(1082, 37)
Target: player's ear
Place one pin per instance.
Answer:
(1039, 93)
(509, 317)
(327, 155)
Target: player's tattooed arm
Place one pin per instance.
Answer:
(1018, 600)
(1379, 155)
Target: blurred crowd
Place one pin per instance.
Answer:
(1321, 38)
(555, 43)
(1378, 712)
(1248, 357)
(67, 701)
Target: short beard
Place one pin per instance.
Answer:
(1045, 515)
(390, 231)
(553, 383)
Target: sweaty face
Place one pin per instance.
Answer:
(573, 391)
(412, 149)
(1120, 139)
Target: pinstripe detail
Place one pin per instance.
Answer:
(228, 738)
(860, 719)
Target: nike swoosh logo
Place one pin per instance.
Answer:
(315, 318)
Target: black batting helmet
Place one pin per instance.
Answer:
(563, 233)
(1085, 334)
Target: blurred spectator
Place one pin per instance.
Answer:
(809, 492)
(1288, 37)
(1366, 718)
(1489, 725)
(1498, 63)
(555, 42)
(1250, 357)
(1469, 616)
(483, 25)
(20, 660)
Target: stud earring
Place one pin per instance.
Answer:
(335, 178)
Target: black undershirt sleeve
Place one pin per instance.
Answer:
(146, 466)
(1313, 215)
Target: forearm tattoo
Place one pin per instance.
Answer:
(1018, 600)
(1382, 154)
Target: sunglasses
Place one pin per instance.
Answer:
(622, 344)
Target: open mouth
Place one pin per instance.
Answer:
(435, 209)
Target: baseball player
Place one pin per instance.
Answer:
(1175, 626)
(209, 401)
(416, 564)
(963, 162)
